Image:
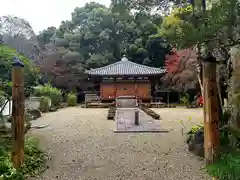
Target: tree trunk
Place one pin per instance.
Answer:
(220, 99)
(211, 111)
(17, 127)
(199, 68)
(234, 86)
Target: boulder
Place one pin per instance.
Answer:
(35, 113)
(52, 109)
(196, 143)
(111, 113)
(7, 128)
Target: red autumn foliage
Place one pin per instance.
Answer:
(172, 62)
(181, 70)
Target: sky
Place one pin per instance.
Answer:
(43, 13)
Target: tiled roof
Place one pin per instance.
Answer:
(125, 67)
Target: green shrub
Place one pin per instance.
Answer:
(72, 99)
(2, 98)
(44, 104)
(195, 128)
(34, 160)
(227, 168)
(53, 93)
(31, 73)
(185, 99)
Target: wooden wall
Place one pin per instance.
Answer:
(111, 90)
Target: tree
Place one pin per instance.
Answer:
(217, 28)
(181, 70)
(97, 36)
(46, 36)
(213, 30)
(17, 33)
(31, 75)
(191, 26)
(160, 6)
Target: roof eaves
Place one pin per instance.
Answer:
(117, 74)
(100, 70)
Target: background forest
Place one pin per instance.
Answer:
(169, 33)
(174, 34)
(95, 36)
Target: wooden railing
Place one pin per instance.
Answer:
(90, 98)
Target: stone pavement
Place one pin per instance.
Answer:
(125, 121)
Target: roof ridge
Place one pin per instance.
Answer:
(110, 65)
(126, 67)
(144, 65)
(120, 62)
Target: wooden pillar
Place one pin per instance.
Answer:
(18, 127)
(211, 111)
(153, 86)
(135, 88)
(168, 98)
(179, 96)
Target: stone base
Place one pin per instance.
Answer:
(125, 121)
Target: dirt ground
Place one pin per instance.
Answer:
(83, 146)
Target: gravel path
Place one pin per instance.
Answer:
(83, 147)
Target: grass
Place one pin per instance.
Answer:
(227, 168)
(34, 160)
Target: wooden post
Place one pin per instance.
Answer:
(168, 98)
(18, 126)
(211, 111)
(115, 89)
(135, 88)
(136, 117)
(85, 100)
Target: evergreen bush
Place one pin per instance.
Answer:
(48, 91)
(45, 104)
(72, 99)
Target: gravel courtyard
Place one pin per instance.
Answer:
(83, 146)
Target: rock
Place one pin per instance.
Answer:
(189, 138)
(4, 130)
(7, 128)
(150, 113)
(9, 118)
(35, 113)
(111, 113)
(190, 146)
(52, 109)
(199, 150)
(62, 105)
(199, 136)
(196, 143)
(27, 127)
